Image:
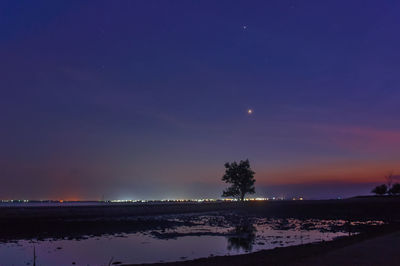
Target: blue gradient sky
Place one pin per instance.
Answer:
(148, 99)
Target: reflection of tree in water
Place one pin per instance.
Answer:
(242, 237)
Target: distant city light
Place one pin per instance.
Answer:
(149, 201)
(299, 198)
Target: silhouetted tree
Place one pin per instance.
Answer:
(241, 177)
(395, 189)
(380, 190)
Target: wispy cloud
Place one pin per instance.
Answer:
(359, 138)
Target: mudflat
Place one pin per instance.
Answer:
(368, 207)
(66, 221)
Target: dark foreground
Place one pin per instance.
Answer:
(374, 245)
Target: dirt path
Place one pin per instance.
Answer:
(384, 250)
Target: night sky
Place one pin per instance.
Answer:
(148, 99)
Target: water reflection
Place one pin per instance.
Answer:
(243, 236)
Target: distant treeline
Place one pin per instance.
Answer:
(388, 188)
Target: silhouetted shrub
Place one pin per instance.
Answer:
(380, 190)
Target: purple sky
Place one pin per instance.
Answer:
(148, 99)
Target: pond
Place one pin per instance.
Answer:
(194, 236)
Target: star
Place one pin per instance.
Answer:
(244, 27)
(249, 111)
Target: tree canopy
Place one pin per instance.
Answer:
(241, 178)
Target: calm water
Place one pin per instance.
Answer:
(203, 236)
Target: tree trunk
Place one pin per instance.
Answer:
(242, 197)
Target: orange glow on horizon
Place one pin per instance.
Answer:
(339, 172)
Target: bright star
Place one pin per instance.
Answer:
(249, 111)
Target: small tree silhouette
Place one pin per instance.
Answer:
(380, 190)
(241, 177)
(395, 189)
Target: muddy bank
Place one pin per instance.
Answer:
(173, 226)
